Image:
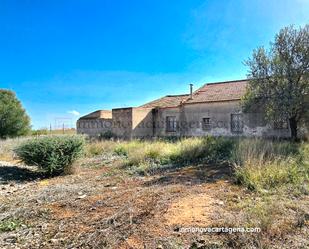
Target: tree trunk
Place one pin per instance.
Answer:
(293, 127)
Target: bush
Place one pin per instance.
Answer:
(53, 154)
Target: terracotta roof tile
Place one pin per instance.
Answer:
(167, 101)
(221, 91)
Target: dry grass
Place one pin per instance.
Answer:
(148, 156)
(7, 146)
(265, 165)
(102, 206)
(97, 148)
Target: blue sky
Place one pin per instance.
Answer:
(64, 57)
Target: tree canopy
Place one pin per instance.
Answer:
(13, 118)
(279, 78)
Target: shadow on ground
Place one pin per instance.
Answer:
(193, 175)
(14, 173)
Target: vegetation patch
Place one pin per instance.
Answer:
(267, 165)
(146, 156)
(9, 225)
(100, 148)
(52, 154)
(7, 147)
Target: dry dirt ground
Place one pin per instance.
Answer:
(102, 206)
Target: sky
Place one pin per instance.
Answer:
(66, 58)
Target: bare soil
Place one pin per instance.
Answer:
(105, 207)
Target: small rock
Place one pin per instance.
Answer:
(53, 241)
(220, 203)
(38, 201)
(81, 196)
(11, 238)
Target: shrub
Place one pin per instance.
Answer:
(53, 154)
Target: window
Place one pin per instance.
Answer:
(171, 124)
(237, 123)
(206, 125)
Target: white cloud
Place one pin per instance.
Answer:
(74, 112)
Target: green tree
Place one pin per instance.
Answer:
(13, 119)
(279, 78)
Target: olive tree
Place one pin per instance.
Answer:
(279, 78)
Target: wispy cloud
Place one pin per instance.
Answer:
(74, 112)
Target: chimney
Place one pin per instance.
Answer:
(191, 90)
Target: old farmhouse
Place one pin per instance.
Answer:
(213, 109)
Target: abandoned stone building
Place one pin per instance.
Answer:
(213, 109)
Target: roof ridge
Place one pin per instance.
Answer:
(223, 82)
(176, 95)
(216, 83)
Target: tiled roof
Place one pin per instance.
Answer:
(167, 101)
(221, 91)
(98, 114)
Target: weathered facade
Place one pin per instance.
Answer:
(95, 123)
(213, 109)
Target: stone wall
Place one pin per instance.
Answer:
(122, 122)
(94, 127)
(128, 123)
(190, 121)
